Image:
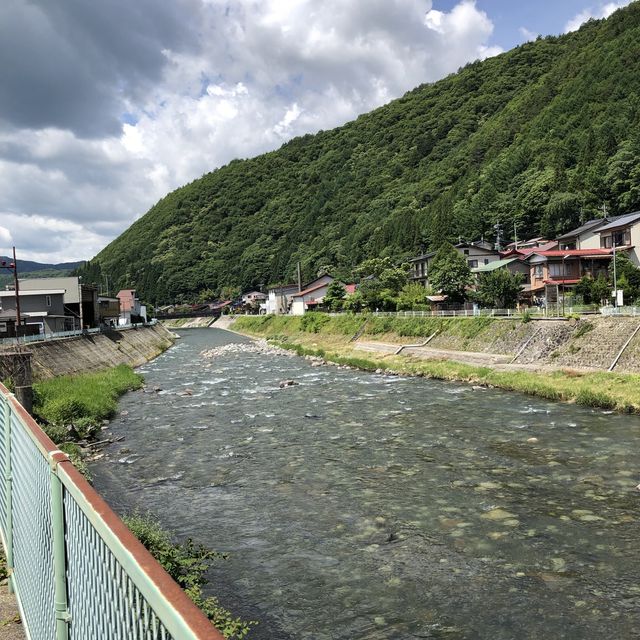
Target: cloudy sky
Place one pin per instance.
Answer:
(106, 106)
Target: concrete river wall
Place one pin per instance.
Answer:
(100, 351)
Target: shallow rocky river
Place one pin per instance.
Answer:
(362, 506)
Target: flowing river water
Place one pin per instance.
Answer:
(364, 506)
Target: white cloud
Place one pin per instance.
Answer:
(253, 76)
(527, 34)
(600, 11)
(5, 236)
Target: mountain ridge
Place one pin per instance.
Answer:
(535, 140)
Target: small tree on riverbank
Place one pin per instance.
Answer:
(499, 288)
(450, 274)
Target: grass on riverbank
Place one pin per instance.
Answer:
(82, 401)
(616, 391)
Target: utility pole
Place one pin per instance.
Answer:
(299, 278)
(515, 234)
(17, 289)
(615, 276)
(80, 305)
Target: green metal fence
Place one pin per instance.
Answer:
(77, 571)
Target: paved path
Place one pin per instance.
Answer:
(470, 357)
(10, 625)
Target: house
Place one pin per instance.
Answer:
(80, 299)
(525, 252)
(41, 310)
(254, 298)
(585, 236)
(279, 298)
(310, 298)
(555, 270)
(108, 310)
(476, 253)
(532, 243)
(623, 233)
(131, 311)
(512, 265)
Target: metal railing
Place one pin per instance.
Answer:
(620, 311)
(77, 571)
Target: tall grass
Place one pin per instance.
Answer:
(89, 398)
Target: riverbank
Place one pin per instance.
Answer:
(96, 352)
(331, 339)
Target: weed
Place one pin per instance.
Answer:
(187, 563)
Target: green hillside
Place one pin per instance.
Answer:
(539, 137)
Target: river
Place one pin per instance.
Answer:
(362, 506)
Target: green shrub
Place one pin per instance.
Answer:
(187, 564)
(584, 327)
(313, 322)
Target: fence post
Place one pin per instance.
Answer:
(8, 481)
(63, 617)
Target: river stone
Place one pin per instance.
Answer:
(497, 514)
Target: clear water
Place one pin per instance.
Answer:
(362, 506)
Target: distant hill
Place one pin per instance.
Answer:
(535, 140)
(29, 269)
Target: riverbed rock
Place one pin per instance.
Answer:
(532, 440)
(288, 383)
(256, 346)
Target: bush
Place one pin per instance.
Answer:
(187, 564)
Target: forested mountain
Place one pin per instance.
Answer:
(538, 137)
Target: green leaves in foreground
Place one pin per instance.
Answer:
(187, 563)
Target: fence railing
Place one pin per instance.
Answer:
(43, 337)
(620, 311)
(77, 571)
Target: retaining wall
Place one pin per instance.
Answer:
(98, 351)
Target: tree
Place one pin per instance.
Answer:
(499, 288)
(600, 290)
(412, 296)
(334, 298)
(584, 288)
(450, 273)
(627, 275)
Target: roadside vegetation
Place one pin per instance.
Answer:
(187, 563)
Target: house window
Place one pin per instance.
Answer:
(48, 301)
(537, 271)
(3, 327)
(617, 238)
(472, 264)
(466, 252)
(486, 260)
(559, 270)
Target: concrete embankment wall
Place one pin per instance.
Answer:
(591, 342)
(100, 351)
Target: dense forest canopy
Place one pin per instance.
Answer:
(536, 139)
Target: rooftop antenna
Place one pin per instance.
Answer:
(603, 208)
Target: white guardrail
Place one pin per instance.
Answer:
(77, 572)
